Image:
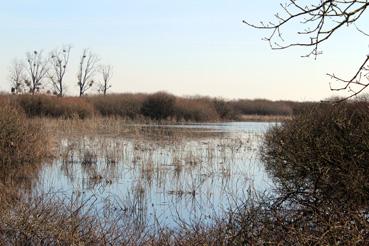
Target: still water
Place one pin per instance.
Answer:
(165, 174)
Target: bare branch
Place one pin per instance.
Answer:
(107, 73)
(36, 70)
(319, 22)
(87, 70)
(59, 60)
(362, 73)
(17, 77)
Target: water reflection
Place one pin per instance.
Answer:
(161, 174)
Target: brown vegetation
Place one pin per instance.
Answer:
(323, 153)
(118, 105)
(318, 160)
(262, 107)
(158, 106)
(21, 142)
(195, 109)
(55, 107)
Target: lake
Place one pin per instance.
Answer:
(163, 175)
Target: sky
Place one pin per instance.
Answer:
(192, 47)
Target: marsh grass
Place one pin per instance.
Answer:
(182, 164)
(21, 142)
(317, 159)
(160, 107)
(174, 163)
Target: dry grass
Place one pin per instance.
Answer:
(318, 158)
(159, 106)
(21, 142)
(264, 118)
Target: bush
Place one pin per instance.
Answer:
(21, 142)
(224, 109)
(71, 107)
(56, 107)
(159, 106)
(322, 155)
(122, 105)
(261, 107)
(195, 109)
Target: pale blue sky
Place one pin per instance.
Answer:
(183, 47)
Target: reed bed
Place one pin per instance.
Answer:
(160, 106)
(318, 195)
(96, 154)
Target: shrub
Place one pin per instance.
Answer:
(122, 105)
(21, 142)
(70, 107)
(224, 109)
(158, 106)
(56, 107)
(261, 107)
(195, 109)
(322, 155)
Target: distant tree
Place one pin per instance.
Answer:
(319, 21)
(223, 108)
(87, 69)
(107, 73)
(17, 76)
(36, 70)
(59, 62)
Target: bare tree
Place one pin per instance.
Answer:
(107, 73)
(87, 69)
(59, 62)
(16, 77)
(319, 21)
(36, 70)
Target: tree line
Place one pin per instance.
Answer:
(39, 72)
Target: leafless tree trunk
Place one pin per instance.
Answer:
(59, 62)
(107, 73)
(16, 77)
(36, 70)
(319, 21)
(87, 70)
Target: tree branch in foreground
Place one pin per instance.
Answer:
(319, 21)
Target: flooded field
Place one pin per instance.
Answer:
(162, 175)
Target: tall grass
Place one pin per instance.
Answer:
(21, 141)
(118, 105)
(195, 109)
(318, 159)
(262, 107)
(158, 106)
(56, 107)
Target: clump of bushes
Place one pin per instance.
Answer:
(224, 109)
(118, 105)
(159, 106)
(262, 107)
(21, 141)
(55, 107)
(195, 109)
(322, 155)
(320, 163)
